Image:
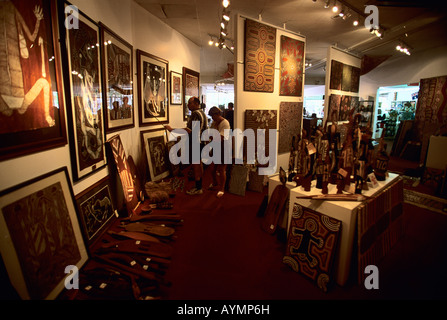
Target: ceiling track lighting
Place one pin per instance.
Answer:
(326, 5)
(403, 48)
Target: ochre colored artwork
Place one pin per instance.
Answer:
(312, 245)
(291, 72)
(260, 47)
(431, 111)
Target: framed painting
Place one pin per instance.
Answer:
(155, 147)
(32, 117)
(40, 235)
(259, 57)
(292, 66)
(152, 74)
(117, 68)
(191, 80)
(96, 209)
(176, 88)
(84, 94)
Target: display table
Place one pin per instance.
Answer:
(345, 211)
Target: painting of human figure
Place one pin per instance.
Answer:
(155, 147)
(118, 81)
(96, 209)
(85, 96)
(30, 109)
(153, 88)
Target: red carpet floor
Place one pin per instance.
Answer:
(222, 253)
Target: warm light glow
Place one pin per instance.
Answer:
(226, 3)
(210, 42)
(355, 23)
(334, 8)
(226, 17)
(222, 25)
(398, 47)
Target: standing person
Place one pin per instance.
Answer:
(229, 114)
(198, 115)
(219, 170)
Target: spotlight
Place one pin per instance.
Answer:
(326, 5)
(226, 17)
(222, 24)
(211, 42)
(355, 23)
(335, 8)
(226, 3)
(342, 13)
(398, 47)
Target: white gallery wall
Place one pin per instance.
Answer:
(143, 31)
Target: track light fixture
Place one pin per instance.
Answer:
(326, 5)
(402, 47)
(225, 3)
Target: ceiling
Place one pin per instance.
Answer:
(422, 25)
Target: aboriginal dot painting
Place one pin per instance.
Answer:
(291, 71)
(260, 48)
(312, 245)
(290, 118)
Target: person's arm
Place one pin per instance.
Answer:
(169, 128)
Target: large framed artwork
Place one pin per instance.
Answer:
(96, 209)
(41, 236)
(259, 59)
(32, 116)
(191, 80)
(117, 64)
(152, 75)
(155, 147)
(84, 93)
(291, 70)
(176, 88)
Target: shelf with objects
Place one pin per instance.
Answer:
(339, 186)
